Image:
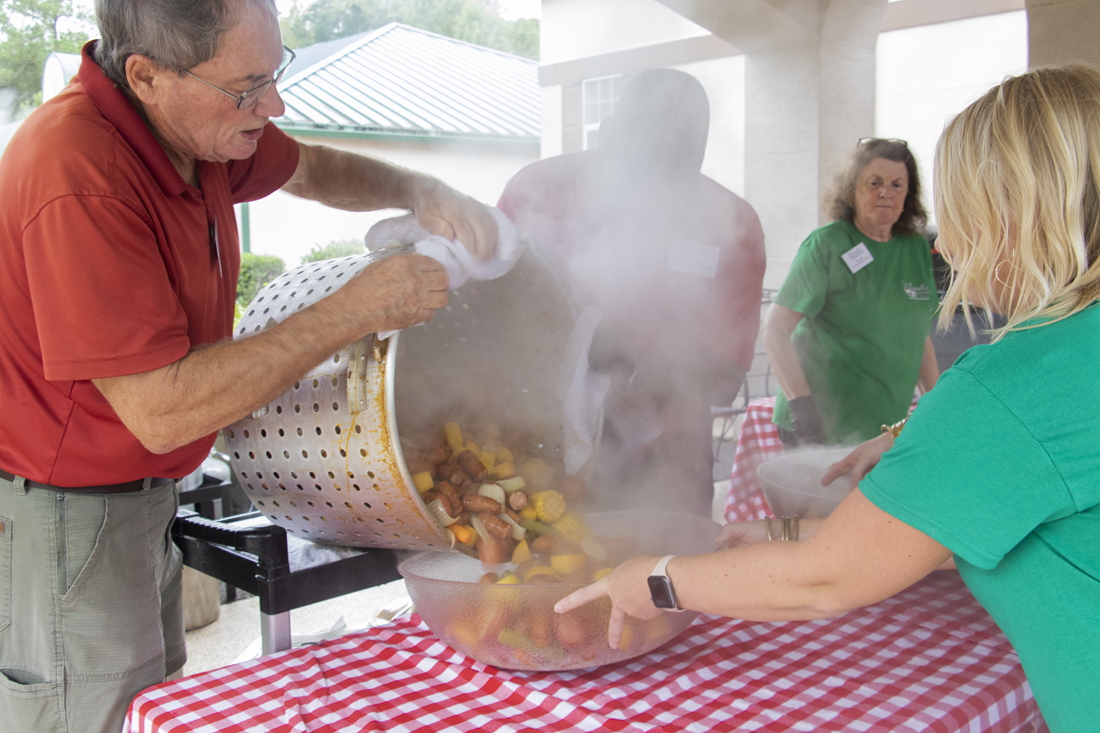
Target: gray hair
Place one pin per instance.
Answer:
(840, 201)
(176, 34)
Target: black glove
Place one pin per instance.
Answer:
(806, 421)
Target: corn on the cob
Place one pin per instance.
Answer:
(572, 528)
(549, 504)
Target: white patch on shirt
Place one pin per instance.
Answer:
(915, 292)
(693, 258)
(857, 258)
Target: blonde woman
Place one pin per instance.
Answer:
(999, 467)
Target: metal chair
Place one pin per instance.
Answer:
(757, 384)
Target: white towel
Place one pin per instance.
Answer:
(460, 265)
(583, 391)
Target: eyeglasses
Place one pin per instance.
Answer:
(865, 140)
(249, 98)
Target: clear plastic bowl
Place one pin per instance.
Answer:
(515, 627)
(792, 483)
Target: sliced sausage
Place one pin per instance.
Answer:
(497, 526)
(517, 500)
(445, 488)
(478, 503)
(438, 455)
(472, 465)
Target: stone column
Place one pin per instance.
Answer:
(1063, 31)
(809, 95)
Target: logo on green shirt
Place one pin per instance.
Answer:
(915, 292)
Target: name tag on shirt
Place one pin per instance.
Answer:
(857, 258)
(692, 258)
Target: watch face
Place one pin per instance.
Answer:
(660, 590)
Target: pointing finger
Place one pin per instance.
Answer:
(615, 628)
(578, 598)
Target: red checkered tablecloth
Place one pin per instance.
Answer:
(757, 442)
(929, 659)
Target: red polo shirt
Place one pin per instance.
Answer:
(110, 264)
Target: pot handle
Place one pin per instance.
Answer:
(357, 374)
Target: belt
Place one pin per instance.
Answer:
(122, 488)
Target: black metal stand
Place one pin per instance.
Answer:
(253, 557)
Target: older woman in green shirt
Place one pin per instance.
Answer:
(997, 471)
(848, 334)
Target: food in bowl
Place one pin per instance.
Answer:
(513, 625)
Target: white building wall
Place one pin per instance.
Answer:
(289, 227)
(724, 82)
(927, 74)
(551, 121)
(576, 29)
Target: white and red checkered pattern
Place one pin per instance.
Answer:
(757, 442)
(929, 659)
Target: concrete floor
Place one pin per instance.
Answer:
(235, 636)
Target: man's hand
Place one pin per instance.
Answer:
(451, 215)
(211, 387)
(397, 292)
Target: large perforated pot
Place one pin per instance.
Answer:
(324, 459)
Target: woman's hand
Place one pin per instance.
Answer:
(736, 534)
(628, 589)
(860, 461)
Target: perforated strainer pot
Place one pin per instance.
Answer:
(324, 459)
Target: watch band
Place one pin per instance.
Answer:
(659, 568)
(660, 572)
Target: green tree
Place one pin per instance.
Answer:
(332, 250)
(256, 272)
(29, 31)
(466, 20)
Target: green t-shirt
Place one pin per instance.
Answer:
(1000, 463)
(861, 341)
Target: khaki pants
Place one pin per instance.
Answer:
(90, 607)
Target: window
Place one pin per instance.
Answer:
(598, 97)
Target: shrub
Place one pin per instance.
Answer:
(256, 272)
(340, 248)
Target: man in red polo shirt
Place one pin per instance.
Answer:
(118, 271)
(675, 264)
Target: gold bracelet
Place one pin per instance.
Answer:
(788, 528)
(895, 429)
